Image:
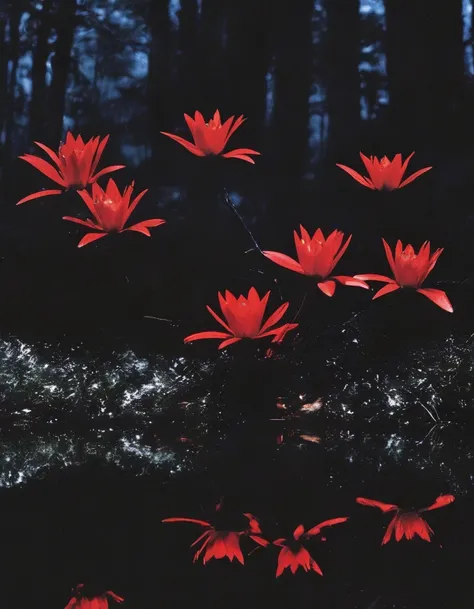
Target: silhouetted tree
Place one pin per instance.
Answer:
(14, 57)
(38, 105)
(65, 28)
(188, 72)
(160, 91)
(341, 75)
(212, 69)
(425, 64)
(293, 52)
(248, 58)
(3, 68)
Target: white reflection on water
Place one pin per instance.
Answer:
(32, 456)
(124, 383)
(115, 398)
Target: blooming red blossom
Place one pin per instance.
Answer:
(81, 601)
(76, 163)
(219, 544)
(317, 257)
(244, 319)
(410, 271)
(383, 173)
(405, 523)
(211, 138)
(111, 210)
(293, 554)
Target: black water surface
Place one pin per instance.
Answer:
(110, 423)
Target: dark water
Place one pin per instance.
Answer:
(110, 423)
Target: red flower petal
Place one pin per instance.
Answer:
(351, 281)
(138, 228)
(242, 154)
(441, 501)
(41, 193)
(261, 542)
(438, 297)
(106, 170)
(45, 168)
(374, 277)
(385, 507)
(193, 520)
(52, 155)
(115, 597)
(327, 287)
(390, 287)
(389, 531)
(188, 145)
(87, 223)
(357, 176)
(284, 261)
(229, 341)
(274, 318)
(298, 531)
(203, 335)
(415, 175)
(90, 237)
(326, 523)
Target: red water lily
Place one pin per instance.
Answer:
(220, 544)
(293, 554)
(80, 601)
(244, 318)
(111, 209)
(410, 271)
(76, 163)
(405, 523)
(317, 257)
(211, 138)
(383, 173)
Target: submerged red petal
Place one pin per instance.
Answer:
(385, 507)
(440, 502)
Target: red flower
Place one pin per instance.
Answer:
(111, 210)
(244, 319)
(407, 524)
(410, 271)
(384, 174)
(75, 162)
(80, 601)
(294, 555)
(219, 544)
(211, 138)
(317, 257)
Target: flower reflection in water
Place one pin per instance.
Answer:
(59, 411)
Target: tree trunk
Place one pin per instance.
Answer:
(160, 81)
(425, 63)
(14, 57)
(3, 79)
(187, 77)
(293, 78)
(210, 95)
(247, 31)
(38, 105)
(342, 79)
(65, 29)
